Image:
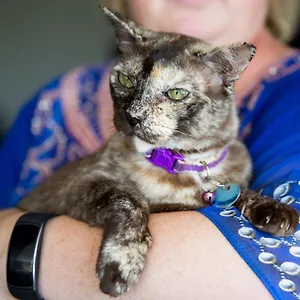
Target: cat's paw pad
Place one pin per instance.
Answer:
(275, 218)
(120, 266)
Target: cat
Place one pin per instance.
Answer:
(169, 91)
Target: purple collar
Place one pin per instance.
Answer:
(175, 163)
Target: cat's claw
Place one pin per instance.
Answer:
(275, 218)
(148, 238)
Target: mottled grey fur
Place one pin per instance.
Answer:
(117, 188)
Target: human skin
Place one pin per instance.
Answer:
(215, 21)
(218, 22)
(185, 261)
(189, 259)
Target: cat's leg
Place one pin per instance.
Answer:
(126, 239)
(125, 243)
(267, 214)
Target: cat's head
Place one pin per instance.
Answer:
(174, 91)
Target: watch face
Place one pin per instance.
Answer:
(20, 262)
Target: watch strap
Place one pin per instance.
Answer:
(24, 255)
(33, 218)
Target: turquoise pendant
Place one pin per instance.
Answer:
(226, 196)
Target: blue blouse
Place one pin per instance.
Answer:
(64, 121)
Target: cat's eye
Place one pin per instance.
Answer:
(177, 94)
(125, 80)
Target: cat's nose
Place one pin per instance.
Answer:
(132, 121)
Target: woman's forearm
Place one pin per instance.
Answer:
(189, 259)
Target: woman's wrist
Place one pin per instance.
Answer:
(67, 261)
(68, 258)
(8, 219)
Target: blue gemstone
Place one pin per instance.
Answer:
(227, 196)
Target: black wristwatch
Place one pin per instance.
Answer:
(24, 254)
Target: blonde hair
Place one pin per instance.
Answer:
(281, 20)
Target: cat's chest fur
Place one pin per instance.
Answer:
(160, 186)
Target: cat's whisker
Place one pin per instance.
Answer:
(82, 161)
(185, 134)
(226, 178)
(178, 131)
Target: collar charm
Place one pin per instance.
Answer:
(224, 196)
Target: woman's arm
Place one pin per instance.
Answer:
(189, 259)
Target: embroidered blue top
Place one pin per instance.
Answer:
(67, 119)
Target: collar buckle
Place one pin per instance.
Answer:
(164, 158)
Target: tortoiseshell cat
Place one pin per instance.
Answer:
(169, 91)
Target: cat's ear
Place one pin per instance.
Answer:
(126, 30)
(230, 61)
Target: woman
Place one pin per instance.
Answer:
(190, 259)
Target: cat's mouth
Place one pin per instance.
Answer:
(145, 134)
(144, 130)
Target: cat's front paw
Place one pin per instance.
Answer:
(121, 265)
(275, 218)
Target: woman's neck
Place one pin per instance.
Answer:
(269, 52)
